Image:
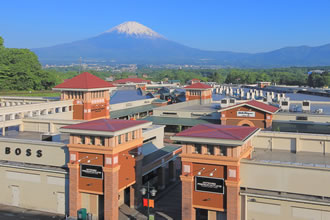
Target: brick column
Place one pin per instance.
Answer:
(111, 176)
(211, 215)
(233, 200)
(131, 197)
(188, 212)
(74, 195)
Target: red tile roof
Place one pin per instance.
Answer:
(237, 133)
(84, 81)
(198, 86)
(110, 125)
(131, 80)
(254, 104)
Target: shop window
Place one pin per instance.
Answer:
(198, 148)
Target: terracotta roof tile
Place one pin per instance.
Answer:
(255, 104)
(198, 86)
(110, 125)
(84, 81)
(228, 132)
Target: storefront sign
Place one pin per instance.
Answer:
(91, 171)
(246, 114)
(98, 109)
(18, 151)
(207, 184)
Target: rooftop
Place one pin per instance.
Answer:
(285, 158)
(213, 131)
(84, 81)
(254, 104)
(198, 86)
(191, 106)
(106, 125)
(37, 136)
(130, 95)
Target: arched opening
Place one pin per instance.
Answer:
(246, 125)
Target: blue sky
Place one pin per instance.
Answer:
(232, 25)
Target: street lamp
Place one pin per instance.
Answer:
(149, 191)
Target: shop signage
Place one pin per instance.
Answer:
(98, 109)
(246, 114)
(18, 151)
(91, 171)
(210, 185)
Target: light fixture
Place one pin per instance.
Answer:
(153, 192)
(143, 191)
(88, 161)
(212, 172)
(200, 172)
(82, 159)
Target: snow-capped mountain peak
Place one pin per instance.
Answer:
(134, 29)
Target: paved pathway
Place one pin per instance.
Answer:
(169, 205)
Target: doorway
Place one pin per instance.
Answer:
(201, 214)
(127, 196)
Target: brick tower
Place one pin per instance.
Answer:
(90, 96)
(199, 91)
(210, 177)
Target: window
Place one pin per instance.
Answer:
(223, 151)
(82, 139)
(102, 141)
(210, 149)
(126, 137)
(133, 135)
(92, 140)
(198, 148)
(119, 139)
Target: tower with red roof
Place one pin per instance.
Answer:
(90, 96)
(199, 91)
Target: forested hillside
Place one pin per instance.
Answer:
(20, 70)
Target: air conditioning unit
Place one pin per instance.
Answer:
(306, 106)
(224, 103)
(285, 105)
(232, 102)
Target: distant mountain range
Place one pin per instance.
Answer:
(131, 42)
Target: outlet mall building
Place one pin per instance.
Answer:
(68, 155)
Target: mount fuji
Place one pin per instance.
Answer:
(132, 42)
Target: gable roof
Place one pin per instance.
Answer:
(198, 86)
(217, 134)
(131, 80)
(104, 125)
(254, 104)
(84, 81)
